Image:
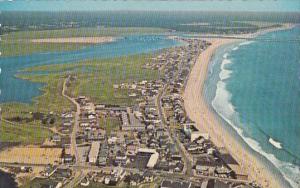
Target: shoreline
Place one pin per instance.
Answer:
(207, 121)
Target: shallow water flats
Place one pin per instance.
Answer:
(253, 87)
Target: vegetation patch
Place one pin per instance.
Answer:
(19, 43)
(23, 133)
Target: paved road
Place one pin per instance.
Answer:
(74, 150)
(194, 179)
(187, 162)
(79, 175)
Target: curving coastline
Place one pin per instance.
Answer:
(200, 112)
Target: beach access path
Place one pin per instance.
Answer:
(198, 110)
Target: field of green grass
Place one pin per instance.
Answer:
(38, 183)
(23, 133)
(18, 43)
(94, 78)
(31, 120)
(110, 124)
(50, 102)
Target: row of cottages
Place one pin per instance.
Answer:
(130, 122)
(67, 122)
(208, 159)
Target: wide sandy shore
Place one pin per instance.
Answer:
(198, 110)
(86, 40)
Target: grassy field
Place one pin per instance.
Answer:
(25, 134)
(18, 43)
(49, 105)
(110, 124)
(52, 99)
(31, 121)
(95, 79)
(38, 183)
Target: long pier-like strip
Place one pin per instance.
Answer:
(250, 38)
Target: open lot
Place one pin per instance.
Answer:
(31, 155)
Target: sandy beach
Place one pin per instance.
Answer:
(85, 40)
(198, 110)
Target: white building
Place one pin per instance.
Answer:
(94, 151)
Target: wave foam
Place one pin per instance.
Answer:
(275, 143)
(246, 43)
(235, 48)
(224, 73)
(225, 109)
(225, 55)
(221, 103)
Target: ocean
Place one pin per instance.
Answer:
(254, 87)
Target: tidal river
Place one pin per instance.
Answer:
(254, 87)
(17, 90)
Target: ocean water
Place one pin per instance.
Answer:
(13, 89)
(254, 86)
(7, 180)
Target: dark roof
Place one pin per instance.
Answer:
(147, 173)
(207, 161)
(140, 161)
(136, 178)
(216, 184)
(219, 184)
(175, 184)
(228, 159)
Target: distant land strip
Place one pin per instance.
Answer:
(87, 40)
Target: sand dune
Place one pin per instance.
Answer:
(87, 40)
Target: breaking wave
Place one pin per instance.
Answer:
(246, 43)
(275, 143)
(235, 48)
(225, 109)
(224, 73)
